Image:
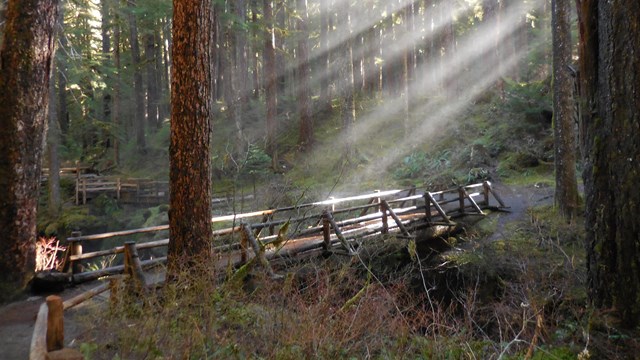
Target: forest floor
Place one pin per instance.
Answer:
(17, 319)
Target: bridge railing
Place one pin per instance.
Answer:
(330, 222)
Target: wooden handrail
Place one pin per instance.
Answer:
(378, 199)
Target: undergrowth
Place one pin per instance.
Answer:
(520, 296)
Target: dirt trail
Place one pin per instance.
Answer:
(519, 199)
(17, 319)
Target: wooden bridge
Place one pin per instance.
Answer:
(333, 226)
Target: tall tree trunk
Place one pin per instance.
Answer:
(406, 60)
(26, 57)
(611, 42)
(138, 89)
(255, 49)
(566, 193)
(167, 45)
(348, 87)
(240, 74)
(117, 92)
(270, 83)
(325, 66)
(304, 107)
(53, 142)
(61, 66)
(190, 181)
(106, 53)
(279, 25)
(153, 99)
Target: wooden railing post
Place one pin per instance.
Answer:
(326, 230)
(55, 323)
(132, 265)
(427, 206)
(243, 246)
(383, 211)
(461, 198)
(438, 208)
(485, 192)
(395, 217)
(339, 234)
(73, 248)
(246, 229)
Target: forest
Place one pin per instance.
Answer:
(150, 117)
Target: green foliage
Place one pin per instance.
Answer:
(256, 164)
(104, 205)
(527, 98)
(419, 164)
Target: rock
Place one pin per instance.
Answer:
(49, 281)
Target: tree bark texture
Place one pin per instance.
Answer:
(190, 182)
(566, 192)
(25, 66)
(611, 67)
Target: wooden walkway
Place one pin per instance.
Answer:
(338, 226)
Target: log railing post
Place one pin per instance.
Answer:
(485, 192)
(438, 208)
(383, 212)
(74, 248)
(461, 198)
(427, 206)
(495, 195)
(243, 246)
(55, 323)
(339, 234)
(395, 217)
(326, 230)
(133, 266)
(246, 229)
(473, 202)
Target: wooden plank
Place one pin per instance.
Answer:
(67, 304)
(38, 348)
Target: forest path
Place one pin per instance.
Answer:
(519, 198)
(17, 319)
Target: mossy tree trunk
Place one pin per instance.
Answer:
(189, 174)
(610, 71)
(25, 66)
(566, 192)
